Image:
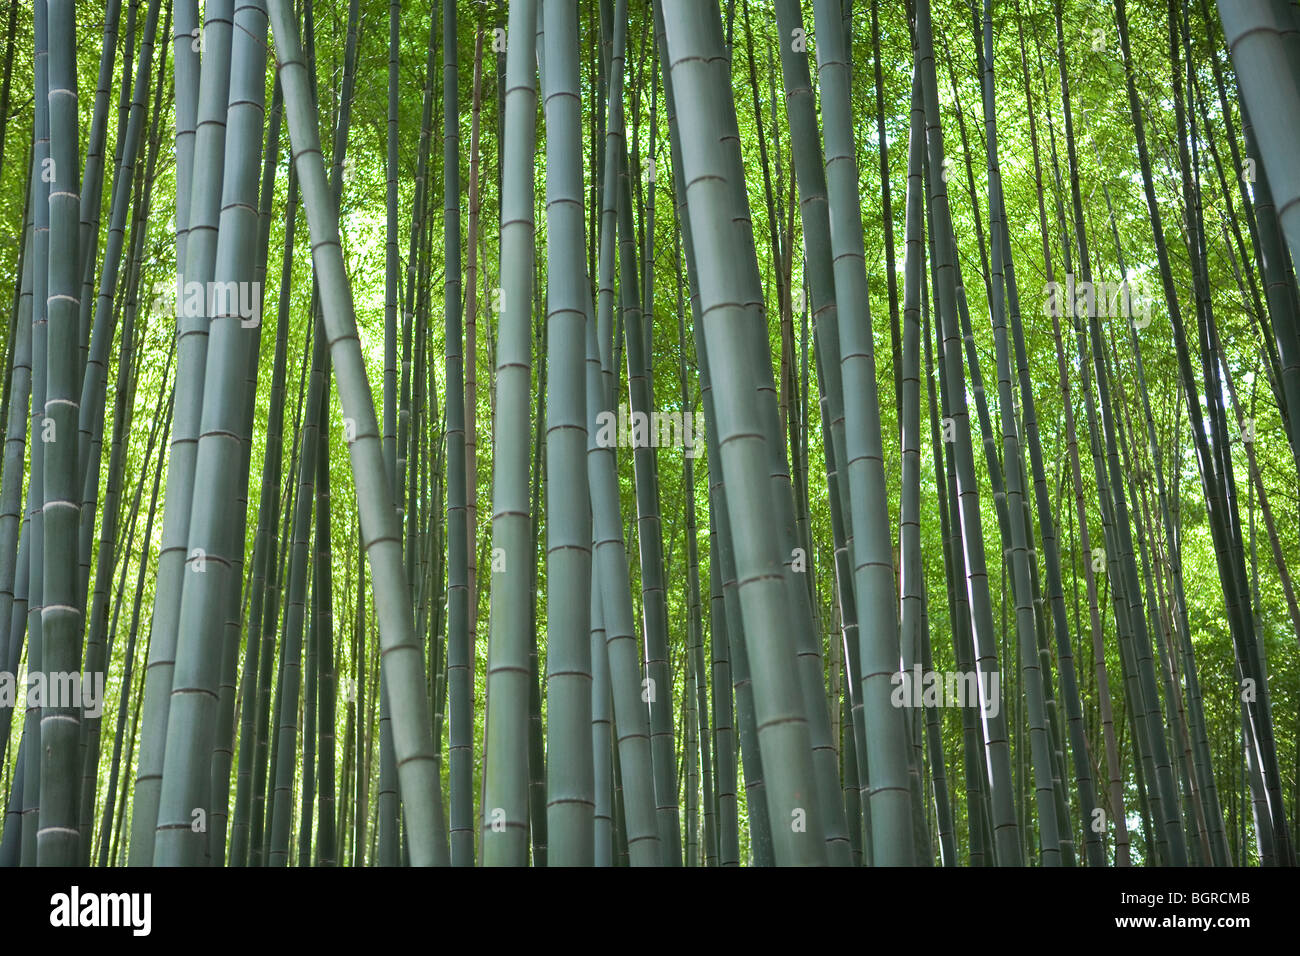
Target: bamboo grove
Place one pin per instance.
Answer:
(649, 432)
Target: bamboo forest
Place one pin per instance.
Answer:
(649, 433)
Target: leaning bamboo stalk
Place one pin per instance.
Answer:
(1248, 646)
(633, 754)
(797, 827)
(1052, 830)
(98, 638)
(617, 234)
(212, 544)
(810, 672)
(164, 417)
(730, 670)
(258, 743)
(198, 234)
(268, 515)
(92, 185)
(402, 654)
(649, 530)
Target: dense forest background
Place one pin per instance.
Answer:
(471, 367)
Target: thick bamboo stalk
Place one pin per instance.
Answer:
(58, 837)
(504, 811)
(214, 551)
(197, 233)
(570, 781)
(891, 801)
(797, 827)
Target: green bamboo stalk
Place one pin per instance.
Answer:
(634, 769)
(504, 810)
(58, 837)
(569, 770)
(310, 696)
(473, 239)
(730, 671)
(1006, 832)
(810, 675)
(1052, 830)
(195, 266)
(975, 757)
(106, 823)
(258, 649)
(96, 651)
(692, 41)
(10, 844)
(602, 728)
(1255, 34)
(536, 735)
(213, 548)
(266, 743)
(12, 521)
(886, 204)
(891, 808)
(617, 229)
(724, 731)
(326, 676)
(695, 622)
(36, 469)
(459, 634)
